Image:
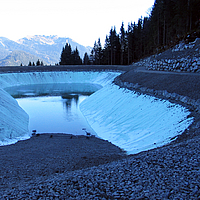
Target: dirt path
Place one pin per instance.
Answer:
(186, 84)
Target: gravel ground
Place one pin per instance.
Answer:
(170, 172)
(47, 154)
(59, 167)
(186, 84)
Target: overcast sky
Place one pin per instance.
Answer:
(82, 20)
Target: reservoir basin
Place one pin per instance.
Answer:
(54, 108)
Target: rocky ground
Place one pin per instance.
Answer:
(170, 172)
(184, 57)
(61, 167)
(44, 155)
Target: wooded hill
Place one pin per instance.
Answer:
(169, 22)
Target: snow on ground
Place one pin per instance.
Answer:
(131, 121)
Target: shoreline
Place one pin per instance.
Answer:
(47, 154)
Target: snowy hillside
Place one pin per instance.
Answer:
(47, 48)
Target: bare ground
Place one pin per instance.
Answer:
(47, 154)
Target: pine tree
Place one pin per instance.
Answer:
(66, 55)
(86, 60)
(75, 58)
(97, 53)
(123, 43)
(92, 59)
(62, 57)
(69, 57)
(115, 47)
(38, 63)
(106, 51)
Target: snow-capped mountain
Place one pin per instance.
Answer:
(47, 48)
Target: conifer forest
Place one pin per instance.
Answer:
(169, 22)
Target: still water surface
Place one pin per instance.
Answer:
(54, 108)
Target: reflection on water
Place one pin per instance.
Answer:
(57, 89)
(54, 108)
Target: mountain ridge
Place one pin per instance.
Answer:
(45, 48)
(18, 57)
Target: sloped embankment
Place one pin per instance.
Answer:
(181, 88)
(183, 84)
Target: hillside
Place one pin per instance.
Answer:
(17, 58)
(47, 48)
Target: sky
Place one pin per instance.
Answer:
(81, 20)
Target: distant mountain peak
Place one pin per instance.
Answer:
(48, 48)
(42, 39)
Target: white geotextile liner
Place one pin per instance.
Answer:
(135, 122)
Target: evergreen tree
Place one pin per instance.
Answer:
(106, 52)
(123, 43)
(97, 53)
(115, 47)
(130, 46)
(111, 52)
(86, 60)
(92, 58)
(69, 57)
(66, 55)
(75, 58)
(38, 63)
(29, 64)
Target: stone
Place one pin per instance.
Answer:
(177, 65)
(182, 60)
(195, 68)
(194, 64)
(191, 46)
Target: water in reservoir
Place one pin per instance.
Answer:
(54, 108)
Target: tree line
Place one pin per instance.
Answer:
(169, 22)
(38, 63)
(69, 57)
